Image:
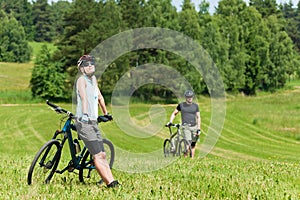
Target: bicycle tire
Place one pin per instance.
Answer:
(45, 162)
(167, 148)
(87, 171)
(184, 148)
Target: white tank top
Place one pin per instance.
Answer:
(92, 98)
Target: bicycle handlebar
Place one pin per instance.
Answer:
(174, 125)
(59, 109)
(102, 118)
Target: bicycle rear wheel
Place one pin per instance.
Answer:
(185, 148)
(87, 172)
(44, 163)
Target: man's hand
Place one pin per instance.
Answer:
(169, 124)
(198, 132)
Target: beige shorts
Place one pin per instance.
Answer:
(90, 134)
(190, 133)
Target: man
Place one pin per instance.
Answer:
(88, 99)
(190, 119)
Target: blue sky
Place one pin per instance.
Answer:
(214, 3)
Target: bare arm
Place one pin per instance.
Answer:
(175, 112)
(198, 120)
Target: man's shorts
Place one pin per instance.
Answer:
(90, 134)
(190, 133)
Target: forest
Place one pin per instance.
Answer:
(254, 45)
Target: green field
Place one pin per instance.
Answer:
(15, 78)
(256, 156)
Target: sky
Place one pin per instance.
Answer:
(214, 3)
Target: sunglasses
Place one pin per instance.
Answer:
(88, 63)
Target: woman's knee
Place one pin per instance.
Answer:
(101, 155)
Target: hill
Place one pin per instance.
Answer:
(256, 156)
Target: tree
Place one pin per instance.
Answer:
(22, 11)
(48, 77)
(292, 24)
(161, 14)
(265, 7)
(75, 40)
(281, 55)
(230, 21)
(133, 13)
(189, 20)
(255, 34)
(43, 21)
(14, 46)
(59, 9)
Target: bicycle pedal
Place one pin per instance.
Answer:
(71, 169)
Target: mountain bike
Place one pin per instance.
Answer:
(176, 144)
(45, 162)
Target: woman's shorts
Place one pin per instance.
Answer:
(90, 134)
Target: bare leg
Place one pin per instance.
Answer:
(103, 168)
(193, 151)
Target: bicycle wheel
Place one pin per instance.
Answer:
(87, 172)
(168, 148)
(44, 163)
(185, 148)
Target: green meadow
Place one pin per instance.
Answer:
(255, 157)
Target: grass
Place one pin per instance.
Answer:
(36, 46)
(209, 178)
(15, 78)
(256, 157)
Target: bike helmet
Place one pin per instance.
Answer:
(189, 93)
(84, 61)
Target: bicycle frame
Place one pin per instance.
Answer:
(46, 160)
(177, 134)
(177, 141)
(67, 133)
(174, 137)
(74, 163)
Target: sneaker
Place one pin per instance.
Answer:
(100, 182)
(113, 184)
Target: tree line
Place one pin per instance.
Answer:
(255, 46)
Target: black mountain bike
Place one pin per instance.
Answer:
(45, 162)
(176, 144)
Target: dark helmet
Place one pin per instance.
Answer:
(189, 93)
(83, 60)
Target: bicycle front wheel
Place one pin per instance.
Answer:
(44, 163)
(88, 172)
(185, 148)
(168, 148)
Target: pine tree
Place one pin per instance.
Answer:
(48, 77)
(43, 21)
(14, 46)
